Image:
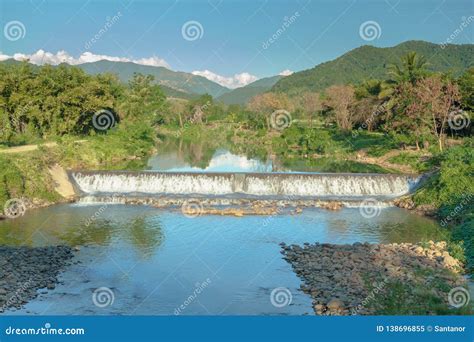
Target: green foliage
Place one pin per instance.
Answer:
(145, 101)
(452, 180)
(413, 68)
(45, 102)
(25, 176)
(415, 160)
(179, 84)
(371, 62)
(242, 95)
(123, 147)
(466, 84)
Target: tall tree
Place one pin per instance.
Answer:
(340, 98)
(412, 68)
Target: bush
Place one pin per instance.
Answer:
(452, 180)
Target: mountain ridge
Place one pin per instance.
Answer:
(368, 61)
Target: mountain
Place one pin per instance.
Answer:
(243, 94)
(173, 83)
(367, 62)
(181, 82)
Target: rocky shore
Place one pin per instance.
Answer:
(360, 279)
(25, 270)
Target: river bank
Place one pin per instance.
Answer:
(24, 271)
(371, 279)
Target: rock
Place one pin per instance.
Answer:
(27, 269)
(335, 304)
(338, 274)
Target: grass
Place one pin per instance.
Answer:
(26, 174)
(419, 297)
(412, 159)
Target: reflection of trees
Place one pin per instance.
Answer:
(97, 232)
(144, 235)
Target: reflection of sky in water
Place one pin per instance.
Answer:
(221, 161)
(152, 258)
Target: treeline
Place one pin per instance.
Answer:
(415, 106)
(45, 102)
(412, 105)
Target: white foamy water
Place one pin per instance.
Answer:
(264, 184)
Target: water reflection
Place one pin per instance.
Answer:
(153, 258)
(184, 156)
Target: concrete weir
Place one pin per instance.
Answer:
(274, 185)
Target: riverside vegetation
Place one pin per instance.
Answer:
(415, 119)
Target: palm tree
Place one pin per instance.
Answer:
(413, 67)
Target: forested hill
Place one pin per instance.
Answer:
(368, 62)
(243, 94)
(180, 81)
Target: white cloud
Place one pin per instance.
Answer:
(286, 72)
(41, 57)
(236, 81)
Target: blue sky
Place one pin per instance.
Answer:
(233, 32)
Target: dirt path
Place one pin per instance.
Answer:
(383, 160)
(33, 147)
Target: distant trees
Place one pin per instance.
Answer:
(144, 99)
(265, 104)
(340, 98)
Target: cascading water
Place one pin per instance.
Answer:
(312, 185)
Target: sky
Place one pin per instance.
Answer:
(232, 42)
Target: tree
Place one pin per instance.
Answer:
(466, 87)
(265, 104)
(145, 100)
(340, 98)
(437, 99)
(413, 68)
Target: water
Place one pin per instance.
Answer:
(160, 262)
(280, 185)
(222, 160)
(152, 259)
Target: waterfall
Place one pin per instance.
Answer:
(312, 185)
